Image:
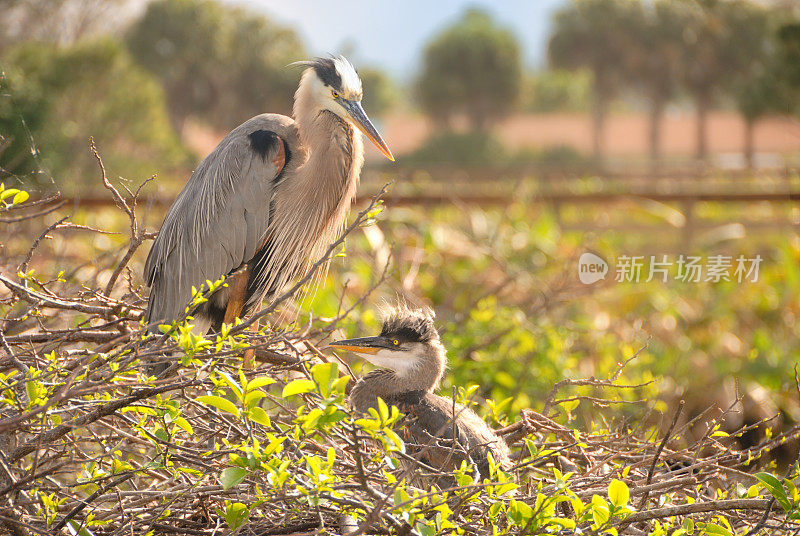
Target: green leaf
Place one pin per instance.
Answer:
(618, 493)
(339, 385)
(600, 512)
(570, 405)
(260, 416)
(232, 476)
(324, 374)
(184, 424)
(776, 489)
(222, 404)
(712, 529)
(251, 399)
(260, 381)
(297, 387)
(233, 384)
(236, 514)
(78, 530)
(8, 193)
(519, 512)
(161, 434)
(383, 410)
(21, 197)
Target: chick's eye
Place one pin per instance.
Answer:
(335, 94)
(396, 342)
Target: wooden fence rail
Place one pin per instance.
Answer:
(499, 188)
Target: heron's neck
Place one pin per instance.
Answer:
(335, 154)
(386, 383)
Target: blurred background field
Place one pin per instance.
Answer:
(647, 128)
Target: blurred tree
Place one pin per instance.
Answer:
(788, 53)
(653, 64)
(380, 92)
(58, 21)
(595, 35)
(722, 41)
(474, 148)
(472, 68)
(760, 94)
(770, 85)
(216, 62)
(556, 90)
(54, 99)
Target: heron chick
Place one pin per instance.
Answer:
(413, 360)
(265, 204)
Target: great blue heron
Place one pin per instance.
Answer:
(413, 361)
(265, 203)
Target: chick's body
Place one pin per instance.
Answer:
(437, 431)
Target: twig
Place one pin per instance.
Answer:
(661, 445)
(34, 297)
(103, 411)
(696, 508)
(86, 502)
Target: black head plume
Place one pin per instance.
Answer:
(410, 325)
(326, 70)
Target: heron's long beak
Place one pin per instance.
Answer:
(363, 345)
(363, 123)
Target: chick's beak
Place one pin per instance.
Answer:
(360, 119)
(363, 345)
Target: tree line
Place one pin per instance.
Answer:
(735, 52)
(72, 69)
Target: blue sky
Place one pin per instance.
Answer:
(391, 35)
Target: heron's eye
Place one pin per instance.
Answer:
(334, 94)
(396, 342)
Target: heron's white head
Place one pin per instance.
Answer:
(332, 84)
(408, 344)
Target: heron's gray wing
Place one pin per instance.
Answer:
(218, 221)
(428, 425)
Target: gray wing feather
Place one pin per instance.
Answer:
(218, 221)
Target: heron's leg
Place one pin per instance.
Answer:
(237, 285)
(250, 353)
(236, 298)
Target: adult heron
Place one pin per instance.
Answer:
(265, 204)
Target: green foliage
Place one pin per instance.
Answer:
(11, 196)
(654, 63)
(380, 91)
(722, 41)
(468, 149)
(770, 84)
(788, 41)
(776, 487)
(707, 48)
(235, 513)
(472, 68)
(494, 276)
(55, 99)
(278, 444)
(217, 62)
(557, 90)
(594, 35)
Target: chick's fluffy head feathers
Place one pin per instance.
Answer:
(409, 325)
